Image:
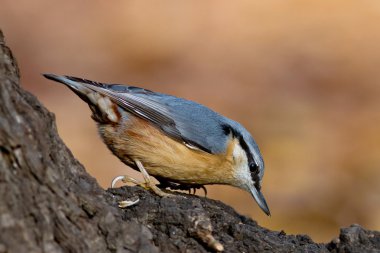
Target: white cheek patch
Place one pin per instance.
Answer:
(241, 167)
(239, 154)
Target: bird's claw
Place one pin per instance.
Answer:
(125, 179)
(147, 184)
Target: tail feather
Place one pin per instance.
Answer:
(103, 109)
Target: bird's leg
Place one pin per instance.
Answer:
(148, 183)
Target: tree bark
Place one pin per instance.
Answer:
(49, 203)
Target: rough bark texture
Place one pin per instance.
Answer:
(49, 203)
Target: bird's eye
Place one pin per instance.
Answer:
(254, 168)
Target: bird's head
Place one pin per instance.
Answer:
(248, 164)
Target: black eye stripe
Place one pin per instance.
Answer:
(244, 145)
(253, 167)
(229, 130)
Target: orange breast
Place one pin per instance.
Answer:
(164, 157)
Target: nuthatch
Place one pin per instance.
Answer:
(177, 141)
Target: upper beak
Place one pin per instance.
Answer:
(259, 197)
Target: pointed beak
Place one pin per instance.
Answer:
(259, 197)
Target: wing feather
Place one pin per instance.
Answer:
(190, 123)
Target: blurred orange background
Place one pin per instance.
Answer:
(302, 76)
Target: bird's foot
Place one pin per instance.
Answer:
(147, 185)
(126, 179)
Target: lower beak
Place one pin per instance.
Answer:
(259, 197)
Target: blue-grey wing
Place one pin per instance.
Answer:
(185, 121)
(196, 124)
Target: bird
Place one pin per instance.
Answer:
(181, 143)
